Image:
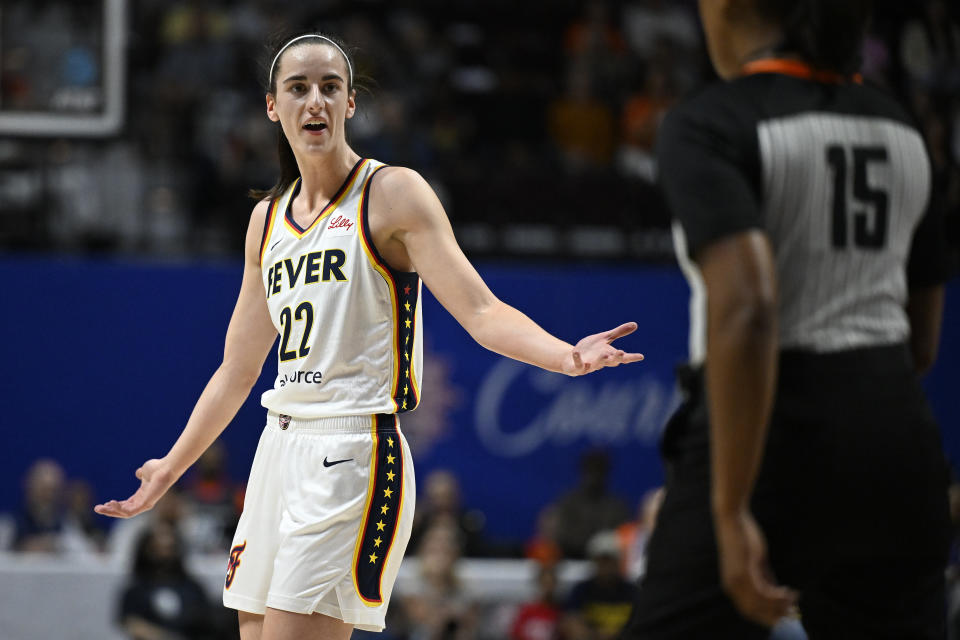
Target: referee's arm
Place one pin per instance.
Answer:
(707, 158)
(741, 363)
(741, 373)
(927, 271)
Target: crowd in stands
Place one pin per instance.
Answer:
(160, 597)
(548, 109)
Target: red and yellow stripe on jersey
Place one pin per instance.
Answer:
(404, 290)
(268, 227)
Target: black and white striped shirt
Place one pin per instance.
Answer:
(834, 173)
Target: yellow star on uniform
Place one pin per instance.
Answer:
(384, 509)
(387, 493)
(406, 305)
(390, 458)
(406, 340)
(407, 322)
(404, 404)
(389, 439)
(406, 354)
(390, 476)
(377, 541)
(373, 558)
(380, 526)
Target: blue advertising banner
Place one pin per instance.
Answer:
(104, 360)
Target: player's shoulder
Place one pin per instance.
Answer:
(399, 185)
(394, 177)
(258, 217)
(260, 209)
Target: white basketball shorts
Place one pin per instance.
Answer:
(326, 519)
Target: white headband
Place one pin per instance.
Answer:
(273, 64)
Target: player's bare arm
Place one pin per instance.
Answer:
(412, 232)
(741, 374)
(249, 338)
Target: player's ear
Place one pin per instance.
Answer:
(272, 108)
(351, 104)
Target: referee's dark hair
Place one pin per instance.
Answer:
(826, 33)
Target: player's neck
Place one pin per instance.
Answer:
(322, 176)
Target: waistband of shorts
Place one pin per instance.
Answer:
(380, 423)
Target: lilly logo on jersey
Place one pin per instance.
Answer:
(340, 226)
(307, 377)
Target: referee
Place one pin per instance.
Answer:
(804, 469)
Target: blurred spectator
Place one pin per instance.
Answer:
(215, 501)
(80, 522)
(539, 619)
(930, 48)
(162, 601)
(40, 522)
(642, 115)
(580, 125)
(589, 507)
(56, 516)
(594, 35)
(876, 59)
(441, 608)
(598, 607)
(170, 509)
(634, 536)
(594, 41)
(440, 504)
(651, 23)
(543, 546)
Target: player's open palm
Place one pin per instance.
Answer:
(744, 572)
(597, 351)
(155, 479)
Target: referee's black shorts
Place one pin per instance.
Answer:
(852, 497)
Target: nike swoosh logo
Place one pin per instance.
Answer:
(275, 244)
(330, 464)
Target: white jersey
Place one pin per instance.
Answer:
(350, 338)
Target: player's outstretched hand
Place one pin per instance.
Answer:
(596, 351)
(746, 577)
(155, 479)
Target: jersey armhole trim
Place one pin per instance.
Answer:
(268, 227)
(404, 288)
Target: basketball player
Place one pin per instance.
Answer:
(334, 257)
(799, 196)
